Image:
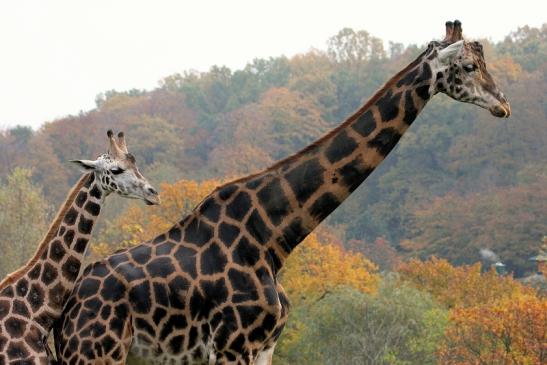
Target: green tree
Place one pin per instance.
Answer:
(23, 220)
(354, 47)
(528, 46)
(397, 326)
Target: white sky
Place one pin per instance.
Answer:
(57, 55)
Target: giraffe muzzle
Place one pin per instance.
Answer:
(502, 110)
(152, 199)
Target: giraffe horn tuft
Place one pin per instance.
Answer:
(457, 33)
(449, 29)
(453, 32)
(121, 142)
(115, 150)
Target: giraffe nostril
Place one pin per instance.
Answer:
(151, 190)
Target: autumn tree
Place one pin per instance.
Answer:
(238, 160)
(460, 286)
(508, 221)
(380, 252)
(311, 75)
(509, 332)
(282, 122)
(316, 268)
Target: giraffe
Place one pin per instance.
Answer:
(32, 298)
(206, 291)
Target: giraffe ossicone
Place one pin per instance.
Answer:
(32, 298)
(206, 291)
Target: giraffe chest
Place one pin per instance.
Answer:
(183, 346)
(247, 325)
(198, 344)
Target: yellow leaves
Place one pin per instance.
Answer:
(180, 198)
(493, 320)
(316, 268)
(279, 122)
(410, 245)
(512, 331)
(239, 158)
(507, 68)
(102, 249)
(461, 286)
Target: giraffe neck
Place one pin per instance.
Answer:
(317, 180)
(42, 285)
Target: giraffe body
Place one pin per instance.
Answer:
(206, 291)
(33, 297)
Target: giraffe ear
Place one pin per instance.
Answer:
(448, 53)
(85, 165)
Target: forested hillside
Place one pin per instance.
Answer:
(365, 287)
(460, 180)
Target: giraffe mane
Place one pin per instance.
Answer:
(52, 231)
(329, 134)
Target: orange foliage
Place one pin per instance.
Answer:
(457, 226)
(315, 268)
(238, 159)
(507, 68)
(462, 286)
(281, 122)
(508, 332)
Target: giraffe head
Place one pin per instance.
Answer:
(460, 72)
(117, 172)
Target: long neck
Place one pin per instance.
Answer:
(317, 180)
(42, 285)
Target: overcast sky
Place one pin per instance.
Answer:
(56, 56)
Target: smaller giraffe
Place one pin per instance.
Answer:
(33, 297)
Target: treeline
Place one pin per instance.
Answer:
(459, 181)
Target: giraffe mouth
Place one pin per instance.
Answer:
(502, 110)
(152, 200)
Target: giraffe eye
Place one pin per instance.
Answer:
(116, 170)
(470, 68)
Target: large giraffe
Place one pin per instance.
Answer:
(206, 291)
(33, 297)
